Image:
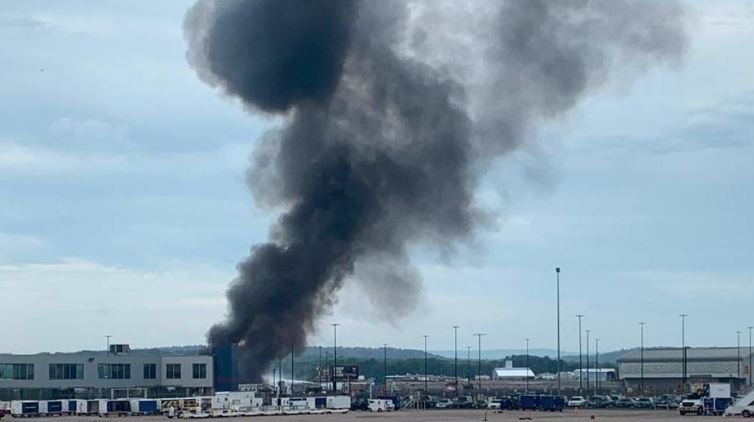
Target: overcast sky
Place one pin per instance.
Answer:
(123, 206)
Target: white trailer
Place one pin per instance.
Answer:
(339, 402)
(24, 408)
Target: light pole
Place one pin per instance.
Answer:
(557, 277)
(426, 391)
(335, 357)
(581, 370)
(642, 324)
(738, 354)
(293, 379)
(527, 365)
(587, 360)
(108, 344)
(750, 368)
(479, 361)
(683, 349)
(596, 366)
(468, 364)
(455, 356)
(385, 369)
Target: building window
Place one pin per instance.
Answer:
(17, 371)
(200, 370)
(173, 370)
(150, 371)
(66, 371)
(116, 371)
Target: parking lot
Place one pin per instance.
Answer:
(447, 415)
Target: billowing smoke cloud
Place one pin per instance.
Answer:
(392, 111)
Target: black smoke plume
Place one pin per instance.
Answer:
(392, 110)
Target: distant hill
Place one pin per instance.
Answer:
(494, 354)
(312, 353)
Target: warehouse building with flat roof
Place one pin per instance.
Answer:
(92, 374)
(663, 368)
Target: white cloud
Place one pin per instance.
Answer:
(70, 304)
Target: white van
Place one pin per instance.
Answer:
(381, 405)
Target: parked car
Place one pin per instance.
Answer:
(665, 403)
(599, 402)
(444, 404)
(2, 413)
(463, 402)
(494, 403)
(577, 401)
(624, 403)
(644, 403)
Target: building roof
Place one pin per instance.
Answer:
(513, 373)
(673, 354)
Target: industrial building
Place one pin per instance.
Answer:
(511, 373)
(91, 374)
(663, 368)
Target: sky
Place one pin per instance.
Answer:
(124, 207)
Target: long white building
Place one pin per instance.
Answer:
(97, 373)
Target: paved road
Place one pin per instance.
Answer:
(429, 416)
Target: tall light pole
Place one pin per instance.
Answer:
(642, 324)
(335, 357)
(557, 278)
(683, 349)
(527, 365)
(426, 391)
(108, 344)
(468, 364)
(479, 360)
(455, 356)
(581, 370)
(738, 355)
(293, 379)
(596, 366)
(587, 360)
(750, 368)
(385, 369)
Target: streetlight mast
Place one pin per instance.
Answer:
(683, 348)
(455, 356)
(426, 391)
(557, 277)
(642, 324)
(479, 361)
(581, 369)
(335, 357)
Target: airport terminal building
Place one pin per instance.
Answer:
(663, 368)
(91, 374)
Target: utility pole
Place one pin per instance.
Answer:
(683, 348)
(319, 373)
(738, 354)
(596, 366)
(335, 357)
(479, 361)
(557, 277)
(527, 365)
(293, 380)
(468, 364)
(587, 360)
(455, 356)
(642, 324)
(426, 391)
(581, 370)
(385, 369)
(750, 368)
(280, 371)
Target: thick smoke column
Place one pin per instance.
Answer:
(384, 135)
